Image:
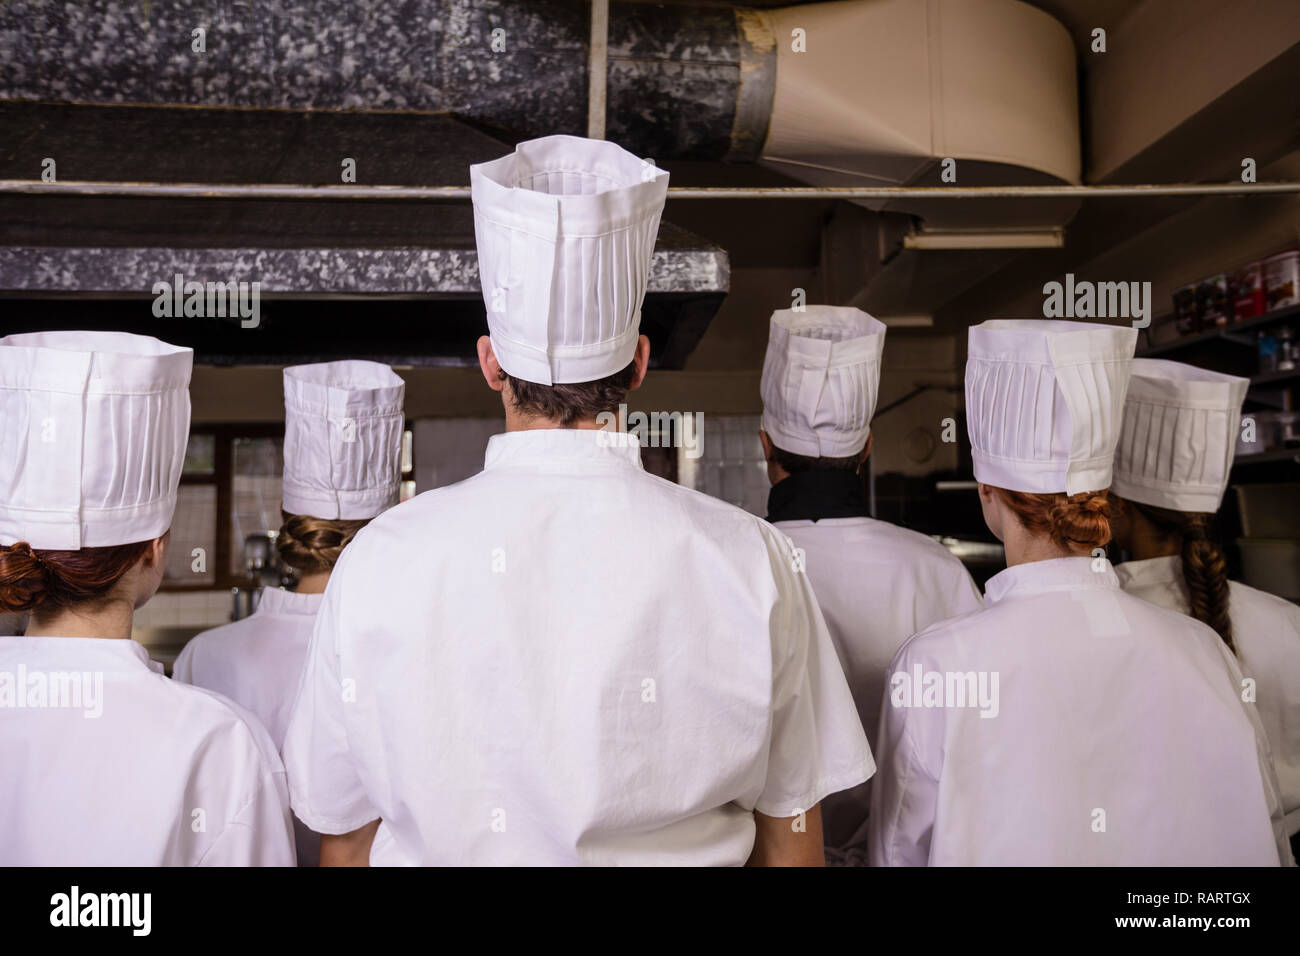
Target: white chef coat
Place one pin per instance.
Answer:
(877, 585)
(1111, 713)
(1266, 632)
(257, 662)
(166, 774)
(566, 660)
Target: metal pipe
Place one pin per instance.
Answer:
(460, 193)
(597, 69)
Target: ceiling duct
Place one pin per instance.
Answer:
(885, 91)
(879, 93)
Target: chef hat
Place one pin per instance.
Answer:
(1044, 400)
(820, 379)
(566, 230)
(342, 439)
(1179, 434)
(93, 427)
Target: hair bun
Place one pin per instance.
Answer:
(24, 578)
(310, 545)
(1081, 521)
(1093, 502)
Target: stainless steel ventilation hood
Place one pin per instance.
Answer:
(394, 281)
(880, 91)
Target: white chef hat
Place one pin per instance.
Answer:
(1179, 435)
(1044, 400)
(93, 427)
(820, 379)
(566, 230)
(342, 439)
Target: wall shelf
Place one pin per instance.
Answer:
(1274, 378)
(1223, 333)
(1268, 457)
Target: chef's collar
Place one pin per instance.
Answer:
(581, 447)
(80, 653)
(1165, 570)
(1055, 574)
(279, 601)
(817, 493)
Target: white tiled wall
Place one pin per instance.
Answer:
(731, 464)
(185, 609)
(448, 450)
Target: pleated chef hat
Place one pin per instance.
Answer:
(566, 230)
(342, 439)
(93, 427)
(1179, 435)
(1044, 400)
(820, 379)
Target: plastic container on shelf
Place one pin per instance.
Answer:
(1187, 314)
(1287, 349)
(1213, 302)
(1246, 291)
(1282, 280)
(1267, 351)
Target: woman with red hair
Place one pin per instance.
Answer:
(107, 762)
(1067, 722)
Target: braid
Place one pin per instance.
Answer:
(1205, 570)
(1206, 574)
(310, 544)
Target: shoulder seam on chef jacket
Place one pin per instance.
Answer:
(940, 626)
(234, 817)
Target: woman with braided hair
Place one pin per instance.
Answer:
(1171, 471)
(343, 426)
(1067, 722)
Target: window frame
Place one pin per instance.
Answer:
(224, 435)
(222, 477)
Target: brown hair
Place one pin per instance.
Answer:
(1205, 570)
(793, 464)
(311, 545)
(573, 401)
(48, 581)
(1079, 523)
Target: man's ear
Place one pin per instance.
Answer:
(766, 440)
(488, 364)
(641, 360)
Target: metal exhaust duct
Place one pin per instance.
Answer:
(831, 93)
(828, 93)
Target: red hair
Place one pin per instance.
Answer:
(52, 580)
(1079, 523)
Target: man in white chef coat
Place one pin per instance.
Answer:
(564, 660)
(103, 760)
(877, 584)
